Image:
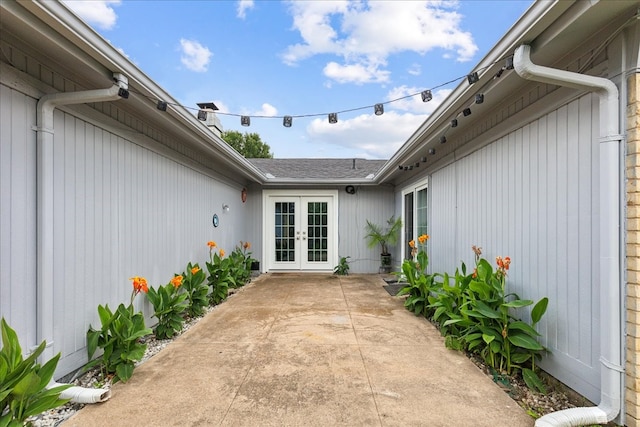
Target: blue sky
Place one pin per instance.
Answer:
(272, 58)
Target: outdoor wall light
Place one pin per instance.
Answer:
(473, 78)
(426, 95)
(162, 106)
(333, 118)
(401, 167)
(479, 98)
(443, 139)
(417, 164)
(245, 120)
(454, 123)
(287, 121)
(432, 151)
(378, 109)
(225, 207)
(423, 159)
(202, 115)
(466, 112)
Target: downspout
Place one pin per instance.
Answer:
(611, 369)
(45, 194)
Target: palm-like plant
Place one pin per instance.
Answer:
(384, 236)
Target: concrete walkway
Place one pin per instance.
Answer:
(307, 349)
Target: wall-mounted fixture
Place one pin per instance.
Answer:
(378, 109)
(216, 221)
(225, 208)
(333, 118)
(243, 195)
(350, 189)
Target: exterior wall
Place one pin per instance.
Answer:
(368, 203)
(533, 195)
(121, 208)
(18, 214)
(632, 368)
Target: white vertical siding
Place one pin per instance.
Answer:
(18, 214)
(533, 195)
(122, 210)
(368, 203)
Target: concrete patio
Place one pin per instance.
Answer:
(308, 349)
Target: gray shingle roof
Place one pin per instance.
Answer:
(318, 168)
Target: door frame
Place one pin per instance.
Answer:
(267, 227)
(413, 189)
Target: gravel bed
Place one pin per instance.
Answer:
(558, 397)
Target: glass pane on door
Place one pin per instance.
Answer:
(421, 212)
(317, 232)
(408, 223)
(285, 224)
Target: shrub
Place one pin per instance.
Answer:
(194, 286)
(169, 305)
(23, 382)
(119, 337)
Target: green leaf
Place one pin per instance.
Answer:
(518, 303)
(525, 341)
(533, 381)
(520, 358)
(488, 338)
(124, 371)
(539, 309)
(484, 310)
(524, 327)
(29, 384)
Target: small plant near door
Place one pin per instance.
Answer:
(385, 236)
(342, 269)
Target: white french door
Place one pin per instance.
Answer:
(301, 232)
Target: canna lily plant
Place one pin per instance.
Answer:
(169, 305)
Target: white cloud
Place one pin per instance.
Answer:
(415, 70)
(267, 110)
(356, 73)
(373, 136)
(243, 6)
(194, 56)
(379, 136)
(95, 12)
(364, 34)
(414, 104)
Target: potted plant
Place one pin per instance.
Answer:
(384, 236)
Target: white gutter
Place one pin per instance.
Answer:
(45, 194)
(611, 370)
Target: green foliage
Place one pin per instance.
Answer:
(342, 269)
(384, 236)
(196, 290)
(23, 382)
(220, 278)
(169, 305)
(239, 267)
(119, 338)
(475, 314)
(248, 144)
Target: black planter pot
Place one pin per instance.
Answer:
(385, 263)
(255, 265)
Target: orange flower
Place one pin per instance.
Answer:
(176, 281)
(194, 270)
(221, 253)
(475, 273)
(477, 250)
(412, 244)
(211, 244)
(246, 245)
(423, 239)
(506, 263)
(139, 284)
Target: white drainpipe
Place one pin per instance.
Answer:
(611, 369)
(45, 192)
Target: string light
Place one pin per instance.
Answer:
(378, 108)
